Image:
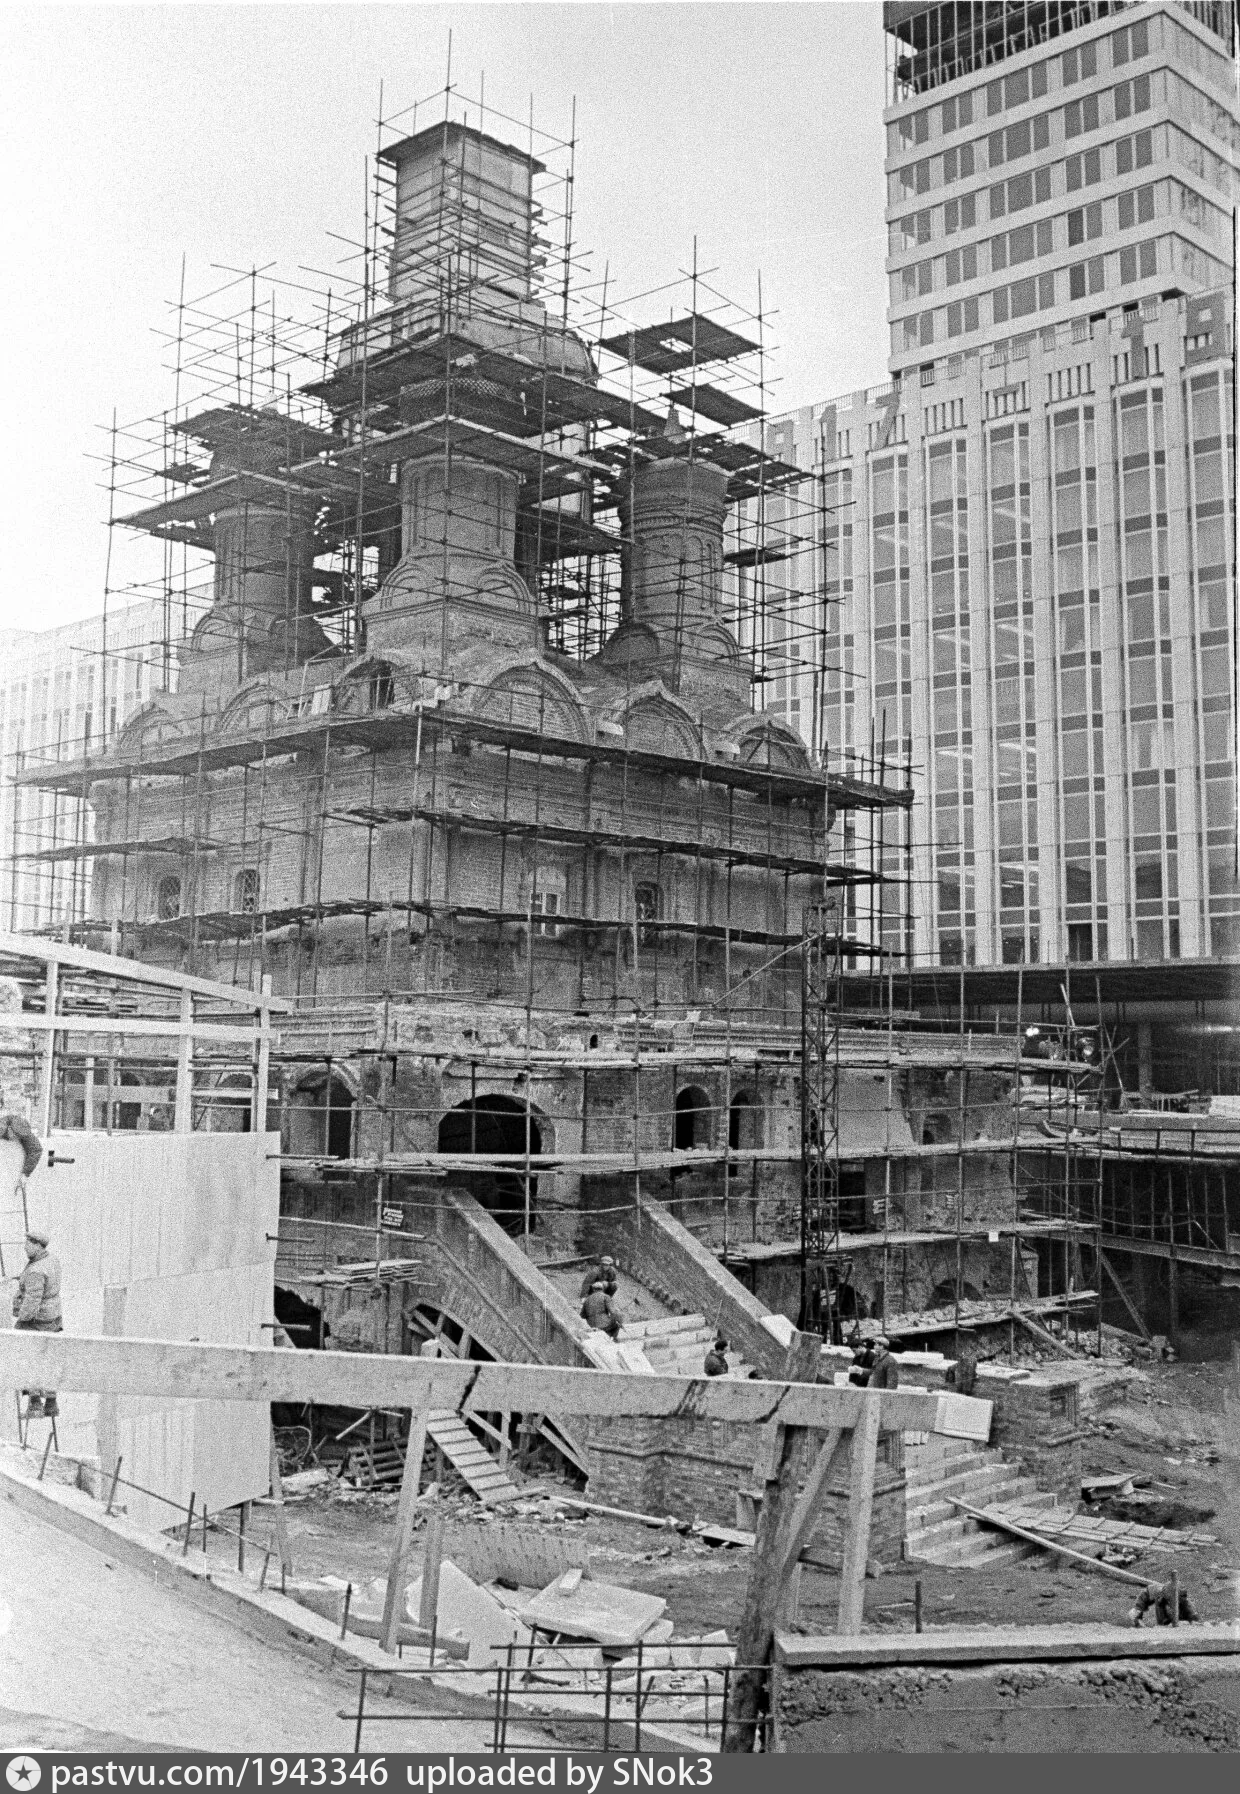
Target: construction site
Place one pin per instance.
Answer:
(459, 917)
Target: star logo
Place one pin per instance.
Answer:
(22, 1773)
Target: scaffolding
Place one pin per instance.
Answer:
(547, 868)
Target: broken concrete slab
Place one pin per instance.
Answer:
(468, 1612)
(599, 1610)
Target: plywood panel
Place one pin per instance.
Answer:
(175, 1227)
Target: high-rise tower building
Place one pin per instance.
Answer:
(1030, 533)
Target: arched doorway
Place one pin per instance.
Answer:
(494, 1125)
(318, 1118)
(691, 1119)
(744, 1123)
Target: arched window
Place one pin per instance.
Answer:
(168, 897)
(319, 1117)
(691, 1120)
(246, 887)
(744, 1123)
(646, 912)
(382, 687)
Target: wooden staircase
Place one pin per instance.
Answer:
(469, 1458)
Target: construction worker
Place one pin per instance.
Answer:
(716, 1364)
(597, 1310)
(1158, 1595)
(864, 1353)
(36, 1308)
(605, 1273)
(884, 1372)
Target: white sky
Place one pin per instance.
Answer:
(131, 135)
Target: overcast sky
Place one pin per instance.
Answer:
(237, 135)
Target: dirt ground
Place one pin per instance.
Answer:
(97, 1655)
(1176, 1423)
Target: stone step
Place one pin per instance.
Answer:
(959, 1482)
(928, 1530)
(974, 1550)
(662, 1326)
(929, 1541)
(927, 1513)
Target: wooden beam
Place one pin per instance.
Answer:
(263, 1068)
(134, 971)
(393, 1595)
(362, 1380)
(806, 1511)
(183, 1106)
(1127, 1300)
(48, 1067)
(277, 1496)
(152, 1028)
(763, 1593)
(432, 1562)
(860, 1512)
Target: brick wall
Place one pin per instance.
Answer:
(693, 1469)
(1036, 1422)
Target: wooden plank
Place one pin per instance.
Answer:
(137, 971)
(1048, 1544)
(1083, 1641)
(860, 1507)
(432, 1561)
(363, 1380)
(406, 1508)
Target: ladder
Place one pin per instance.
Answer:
(470, 1459)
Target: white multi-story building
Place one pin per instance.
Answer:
(1029, 533)
(65, 691)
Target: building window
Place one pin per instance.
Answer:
(246, 891)
(547, 900)
(168, 898)
(646, 913)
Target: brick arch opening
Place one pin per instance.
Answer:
(495, 1125)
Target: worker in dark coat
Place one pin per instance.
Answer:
(605, 1273)
(597, 1311)
(716, 1364)
(884, 1372)
(37, 1309)
(864, 1352)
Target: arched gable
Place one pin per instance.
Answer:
(771, 745)
(655, 723)
(531, 695)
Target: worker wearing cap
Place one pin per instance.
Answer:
(36, 1307)
(605, 1273)
(597, 1310)
(716, 1364)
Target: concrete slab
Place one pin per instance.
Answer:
(469, 1612)
(597, 1610)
